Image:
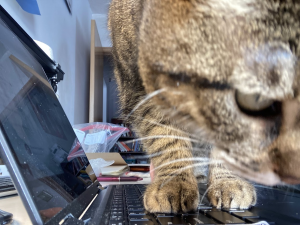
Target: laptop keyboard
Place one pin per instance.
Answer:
(127, 209)
(6, 184)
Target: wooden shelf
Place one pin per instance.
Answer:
(126, 138)
(103, 50)
(96, 77)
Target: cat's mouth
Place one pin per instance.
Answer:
(291, 180)
(265, 177)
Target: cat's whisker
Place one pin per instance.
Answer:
(147, 98)
(182, 119)
(288, 188)
(170, 128)
(165, 136)
(208, 188)
(182, 160)
(189, 123)
(206, 191)
(189, 167)
(172, 150)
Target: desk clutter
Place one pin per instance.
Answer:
(110, 149)
(110, 167)
(129, 146)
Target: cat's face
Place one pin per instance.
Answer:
(229, 72)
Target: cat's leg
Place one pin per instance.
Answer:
(227, 190)
(174, 188)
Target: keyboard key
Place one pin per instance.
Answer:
(135, 206)
(135, 217)
(232, 210)
(117, 201)
(117, 213)
(137, 211)
(245, 214)
(134, 202)
(224, 217)
(141, 223)
(132, 198)
(204, 207)
(196, 219)
(256, 220)
(204, 210)
(165, 215)
(137, 220)
(115, 222)
(116, 217)
(116, 209)
(176, 220)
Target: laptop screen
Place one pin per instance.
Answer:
(40, 138)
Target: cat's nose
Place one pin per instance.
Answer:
(285, 151)
(286, 163)
(268, 69)
(273, 61)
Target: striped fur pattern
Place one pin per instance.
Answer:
(181, 66)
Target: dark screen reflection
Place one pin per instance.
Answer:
(41, 138)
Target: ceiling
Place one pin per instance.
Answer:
(99, 6)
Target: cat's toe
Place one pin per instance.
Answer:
(233, 193)
(173, 196)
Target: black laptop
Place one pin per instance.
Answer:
(36, 139)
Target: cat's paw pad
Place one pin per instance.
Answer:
(233, 193)
(173, 196)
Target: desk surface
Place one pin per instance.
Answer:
(14, 204)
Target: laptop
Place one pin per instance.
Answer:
(6, 185)
(36, 139)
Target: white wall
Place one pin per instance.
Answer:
(101, 23)
(100, 10)
(69, 37)
(99, 6)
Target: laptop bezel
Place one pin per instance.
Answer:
(6, 155)
(76, 207)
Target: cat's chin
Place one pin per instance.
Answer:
(267, 177)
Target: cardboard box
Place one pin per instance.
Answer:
(119, 161)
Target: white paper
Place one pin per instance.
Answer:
(3, 171)
(98, 164)
(261, 223)
(114, 170)
(95, 138)
(80, 135)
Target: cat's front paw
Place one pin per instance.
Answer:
(173, 196)
(232, 193)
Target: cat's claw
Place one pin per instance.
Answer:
(233, 193)
(173, 196)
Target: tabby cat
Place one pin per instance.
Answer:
(223, 72)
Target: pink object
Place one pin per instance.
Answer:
(151, 172)
(117, 179)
